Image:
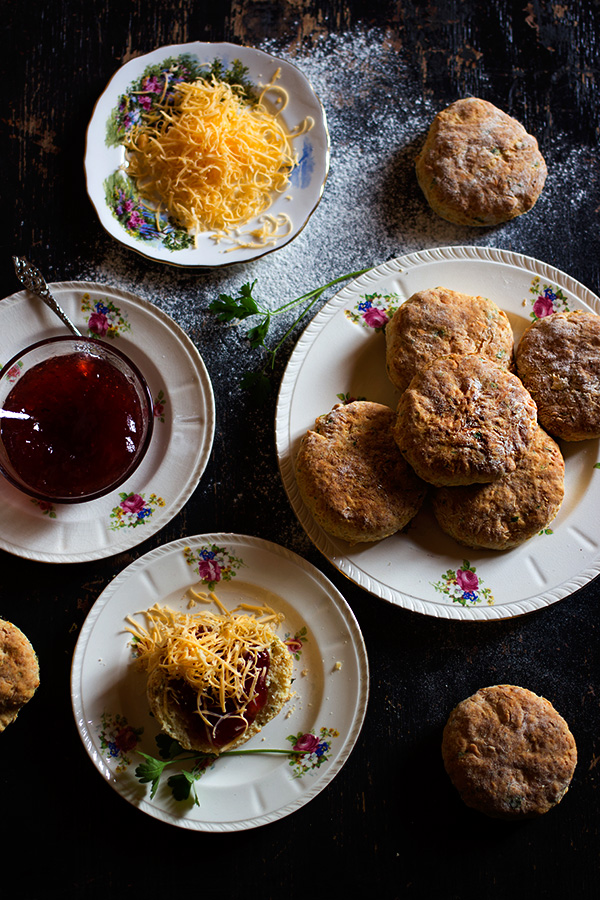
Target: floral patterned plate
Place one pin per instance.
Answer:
(136, 88)
(323, 718)
(341, 355)
(184, 424)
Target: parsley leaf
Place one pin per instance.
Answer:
(150, 772)
(183, 784)
(257, 335)
(236, 309)
(168, 746)
(230, 308)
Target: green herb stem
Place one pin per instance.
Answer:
(183, 784)
(235, 309)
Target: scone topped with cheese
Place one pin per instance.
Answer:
(214, 680)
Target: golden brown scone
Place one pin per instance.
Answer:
(506, 513)
(508, 752)
(479, 166)
(464, 420)
(19, 672)
(353, 478)
(558, 360)
(438, 322)
(173, 704)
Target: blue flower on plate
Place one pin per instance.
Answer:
(301, 175)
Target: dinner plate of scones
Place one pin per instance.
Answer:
(437, 432)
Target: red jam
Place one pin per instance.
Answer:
(83, 426)
(229, 724)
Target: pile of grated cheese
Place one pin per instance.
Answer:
(213, 653)
(212, 160)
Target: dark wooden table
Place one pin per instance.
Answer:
(390, 822)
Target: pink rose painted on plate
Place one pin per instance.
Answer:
(464, 586)
(467, 579)
(98, 324)
(212, 563)
(133, 503)
(14, 372)
(373, 310)
(549, 299)
(209, 570)
(375, 318)
(307, 743)
(543, 307)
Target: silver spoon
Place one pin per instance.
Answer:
(34, 281)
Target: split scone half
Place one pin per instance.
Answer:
(214, 680)
(19, 672)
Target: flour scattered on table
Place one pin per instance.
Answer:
(372, 208)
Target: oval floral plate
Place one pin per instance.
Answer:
(184, 425)
(136, 87)
(341, 356)
(324, 716)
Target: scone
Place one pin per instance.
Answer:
(558, 360)
(464, 420)
(173, 704)
(508, 752)
(353, 478)
(505, 513)
(479, 166)
(19, 672)
(213, 679)
(438, 322)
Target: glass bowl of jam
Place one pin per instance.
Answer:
(76, 419)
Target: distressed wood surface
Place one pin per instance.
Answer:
(389, 822)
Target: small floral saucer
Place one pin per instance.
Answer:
(183, 408)
(341, 357)
(313, 734)
(135, 88)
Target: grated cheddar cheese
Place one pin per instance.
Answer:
(212, 160)
(213, 653)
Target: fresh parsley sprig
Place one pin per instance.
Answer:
(183, 784)
(237, 309)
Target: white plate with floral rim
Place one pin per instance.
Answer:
(184, 425)
(324, 717)
(341, 355)
(134, 88)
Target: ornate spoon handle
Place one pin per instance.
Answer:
(34, 281)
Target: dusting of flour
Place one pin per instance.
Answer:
(372, 209)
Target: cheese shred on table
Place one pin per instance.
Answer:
(212, 160)
(213, 653)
